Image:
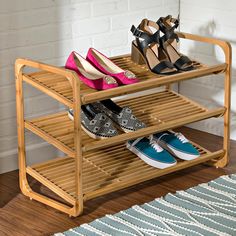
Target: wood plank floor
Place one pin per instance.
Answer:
(19, 216)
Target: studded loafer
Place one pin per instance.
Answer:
(96, 125)
(122, 117)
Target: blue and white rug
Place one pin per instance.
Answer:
(208, 209)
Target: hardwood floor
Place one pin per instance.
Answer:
(20, 216)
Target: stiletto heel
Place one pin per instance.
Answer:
(136, 56)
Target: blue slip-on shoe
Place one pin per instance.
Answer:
(151, 152)
(177, 144)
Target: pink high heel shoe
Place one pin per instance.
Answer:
(106, 66)
(89, 74)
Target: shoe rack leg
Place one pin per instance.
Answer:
(24, 186)
(78, 145)
(168, 87)
(227, 103)
(226, 47)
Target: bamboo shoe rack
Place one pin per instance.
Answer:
(91, 167)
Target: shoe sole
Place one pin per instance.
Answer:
(176, 153)
(146, 159)
(121, 128)
(138, 58)
(92, 135)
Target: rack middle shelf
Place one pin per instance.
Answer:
(159, 111)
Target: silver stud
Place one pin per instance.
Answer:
(130, 74)
(109, 80)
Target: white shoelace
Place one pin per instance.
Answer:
(155, 145)
(181, 137)
(152, 142)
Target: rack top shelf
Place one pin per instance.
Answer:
(59, 87)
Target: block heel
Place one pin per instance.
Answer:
(167, 26)
(136, 56)
(146, 48)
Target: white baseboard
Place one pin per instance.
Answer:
(35, 153)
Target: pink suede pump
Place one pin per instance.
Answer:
(106, 66)
(89, 74)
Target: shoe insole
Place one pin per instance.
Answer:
(88, 111)
(109, 104)
(154, 55)
(106, 63)
(171, 51)
(174, 55)
(86, 69)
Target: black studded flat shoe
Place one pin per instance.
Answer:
(96, 124)
(123, 117)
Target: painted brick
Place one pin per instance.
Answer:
(24, 19)
(42, 105)
(7, 76)
(106, 7)
(111, 40)
(48, 30)
(10, 142)
(81, 11)
(147, 4)
(37, 52)
(91, 26)
(214, 19)
(123, 21)
(82, 44)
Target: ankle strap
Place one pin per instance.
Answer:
(147, 37)
(167, 28)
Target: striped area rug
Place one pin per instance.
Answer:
(208, 209)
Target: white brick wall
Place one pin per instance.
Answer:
(213, 18)
(47, 30)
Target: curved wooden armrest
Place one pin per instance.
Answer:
(225, 45)
(69, 74)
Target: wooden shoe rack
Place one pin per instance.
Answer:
(92, 168)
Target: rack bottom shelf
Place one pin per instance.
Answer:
(105, 171)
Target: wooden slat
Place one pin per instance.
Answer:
(159, 111)
(49, 91)
(151, 83)
(123, 183)
(174, 123)
(50, 139)
(49, 184)
(105, 170)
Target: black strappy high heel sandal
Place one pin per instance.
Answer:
(169, 41)
(146, 49)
